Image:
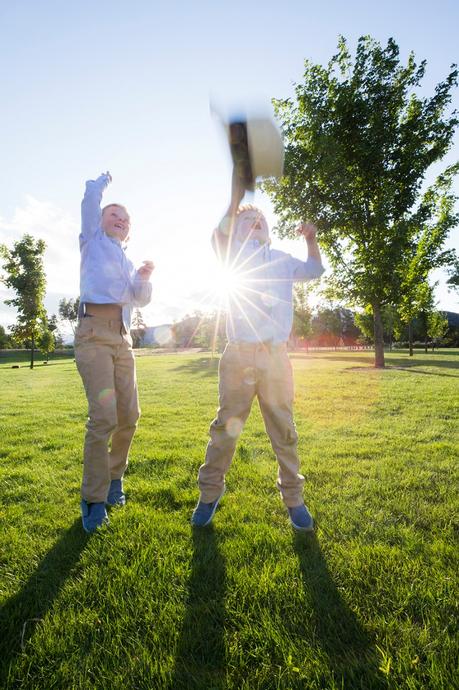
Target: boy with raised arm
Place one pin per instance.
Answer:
(255, 361)
(109, 288)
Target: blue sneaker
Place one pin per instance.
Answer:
(93, 515)
(301, 518)
(116, 495)
(204, 512)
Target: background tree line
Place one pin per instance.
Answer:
(323, 326)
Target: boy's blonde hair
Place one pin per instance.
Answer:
(117, 206)
(248, 207)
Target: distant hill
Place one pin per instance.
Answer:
(453, 318)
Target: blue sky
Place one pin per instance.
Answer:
(125, 86)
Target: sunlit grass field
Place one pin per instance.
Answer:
(369, 601)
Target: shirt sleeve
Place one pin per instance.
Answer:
(305, 270)
(141, 292)
(90, 206)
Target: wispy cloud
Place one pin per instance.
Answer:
(44, 220)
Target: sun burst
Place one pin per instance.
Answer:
(229, 282)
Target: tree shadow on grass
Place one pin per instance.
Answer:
(204, 366)
(348, 357)
(22, 612)
(391, 362)
(423, 361)
(411, 368)
(350, 651)
(200, 659)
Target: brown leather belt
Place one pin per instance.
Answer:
(104, 311)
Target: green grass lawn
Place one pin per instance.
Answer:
(369, 601)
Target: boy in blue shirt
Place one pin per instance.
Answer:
(109, 288)
(255, 361)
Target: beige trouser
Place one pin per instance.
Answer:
(104, 357)
(247, 371)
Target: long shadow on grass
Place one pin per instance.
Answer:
(410, 368)
(200, 660)
(20, 614)
(402, 362)
(204, 366)
(350, 651)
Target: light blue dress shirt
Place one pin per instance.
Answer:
(107, 276)
(260, 309)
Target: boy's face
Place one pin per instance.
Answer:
(252, 225)
(116, 222)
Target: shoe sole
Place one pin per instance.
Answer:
(212, 513)
(298, 528)
(91, 531)
(116, 504)
(302, 529)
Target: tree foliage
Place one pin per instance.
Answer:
(5, 339)
(201, 330)
(23, 265)
(68, 311)
(359, 141)
(46, 342)
(302, 312)
(138, 328)
(453, 280)
(437, 325)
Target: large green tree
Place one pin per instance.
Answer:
(359, 140)
(25, 274)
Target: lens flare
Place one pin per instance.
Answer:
(163, 335)
(250, 376)
(106, 397)
(233, 427)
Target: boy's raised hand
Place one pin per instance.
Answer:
(308, 230)
(145, 271)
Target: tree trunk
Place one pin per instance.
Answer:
(379, 338)
(32, 351)
(410, 337)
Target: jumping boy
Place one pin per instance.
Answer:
(255, 360)
(109, 288)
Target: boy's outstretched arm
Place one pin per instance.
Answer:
(142, 285)
(309, 232)
(223, 234)
(90, 206)
(311, 268)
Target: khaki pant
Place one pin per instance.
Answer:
(105, 361)
(247, 371)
